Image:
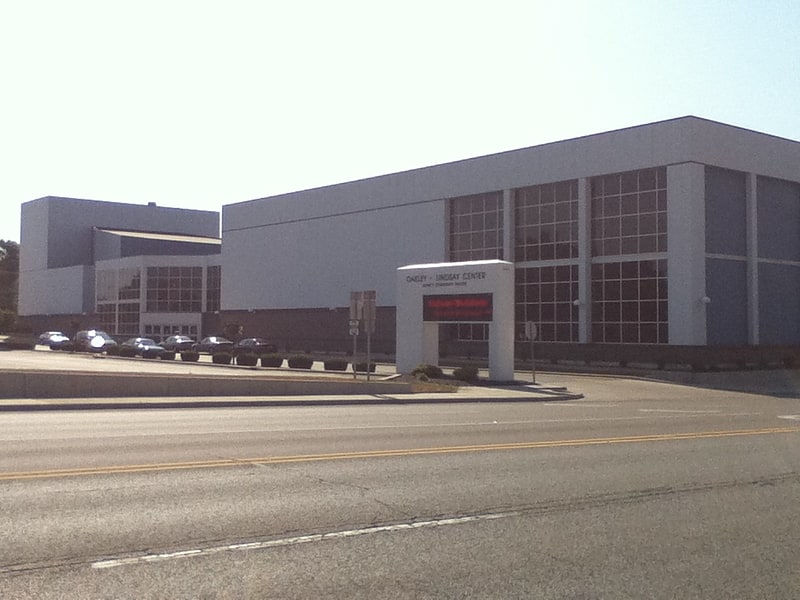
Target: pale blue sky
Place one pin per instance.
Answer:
(197, 104)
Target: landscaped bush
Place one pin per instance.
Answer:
(150, 354)
(430, 371)
(247, 360)
(466, 373)
(112, 350)
(300, 361)
(362, 367)
(190, 356)
(168, 355)
(271, 360)
(221, 358)
(336, 364)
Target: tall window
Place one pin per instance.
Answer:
(117, 295)
(476, 227)
(213, 284)
(629, 213)
(546, 221)
(174, 289)
(545, 295)
(629, 302)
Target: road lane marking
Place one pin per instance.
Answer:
(676, 410)
(400, 452)
(302, 539)
(539, 508)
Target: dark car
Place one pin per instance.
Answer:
(140, 346)
(213, 344)
(254, 345)
(94, 340)
(54, 339)
(178, 343)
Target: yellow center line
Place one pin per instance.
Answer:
(274, 460)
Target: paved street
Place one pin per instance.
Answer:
(641, 489)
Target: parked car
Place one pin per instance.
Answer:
(254, 345)
(94, 340)
(178, 343)
(54, 339)
(212, 344)
(140, 346)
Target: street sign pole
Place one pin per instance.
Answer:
(530, 333)
(354, 332)
(369, 351)
(362, 312)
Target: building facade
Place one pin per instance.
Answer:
(681, 232)
(131, 270)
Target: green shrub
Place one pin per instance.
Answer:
(362, 367)
(430, 371)
(150, 353)
(336, 364)
(466, 373)
(168, 355)
(190, 356)
(271, 360)
(111, 350)
(300, 361)
(221, 358)
(247, 360)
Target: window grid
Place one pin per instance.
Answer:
(546, 221)
(128, 319)
(174, 289)
(469, 332)
(107, 317)
(629, 213)
(213, 284)
(476, 227)
(545, 295)
(629, 302)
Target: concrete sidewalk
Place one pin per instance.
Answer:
(465, 394)
(46, 380)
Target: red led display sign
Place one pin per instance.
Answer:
(457, 307)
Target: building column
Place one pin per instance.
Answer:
(686, 256)
(508, 225)
(584, 298)
(751, 199)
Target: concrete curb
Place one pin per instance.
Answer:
(75, 404)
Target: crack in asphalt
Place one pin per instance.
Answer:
(261, 541)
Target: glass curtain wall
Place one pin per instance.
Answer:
(629, 266)
(475, 233)
(117, 300)
(546, 235)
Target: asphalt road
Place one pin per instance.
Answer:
(641, 490)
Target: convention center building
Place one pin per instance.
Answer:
(682, 232)
(131, 270)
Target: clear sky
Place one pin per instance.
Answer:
(198, 104)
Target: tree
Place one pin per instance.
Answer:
(9, 278)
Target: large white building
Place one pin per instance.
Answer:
(130, 269)
(678, 233)
(681, 232)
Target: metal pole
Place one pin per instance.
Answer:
(533, 364)
(369, 351)
(355, 371)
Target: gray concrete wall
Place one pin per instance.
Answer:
(59, 384)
